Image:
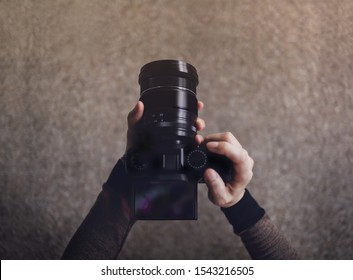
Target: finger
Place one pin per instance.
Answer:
(135, 115)
(231, 151)
(200, 105)
(226, 136)
(200, 124)
(217, 191)
(244, 170)
(243, 163)
(198, 139)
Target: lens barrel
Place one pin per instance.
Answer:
(168, 91)
(168, 73)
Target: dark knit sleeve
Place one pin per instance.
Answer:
(103, 232)
(261, 237)
(264, 241)
(244, 214)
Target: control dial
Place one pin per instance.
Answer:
(197, 159)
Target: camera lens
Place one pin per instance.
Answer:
(168, 91)
(168, 73)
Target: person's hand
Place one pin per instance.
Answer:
(136, 114)
(227, 194)
(133, 118)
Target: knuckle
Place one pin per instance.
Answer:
(244, 157)
(228, 136)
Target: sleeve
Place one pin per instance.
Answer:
(104, 230)
(260, 236)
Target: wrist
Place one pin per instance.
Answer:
(118, 178)
(119, 187)
(238, 196)
(243, 214)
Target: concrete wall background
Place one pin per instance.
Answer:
(278, 74)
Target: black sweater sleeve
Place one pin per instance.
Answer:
(244, 214)
(260, 236)
(103, 232)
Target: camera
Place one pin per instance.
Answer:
(166, 164)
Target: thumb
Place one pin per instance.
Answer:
(135, 115)
(216, 187)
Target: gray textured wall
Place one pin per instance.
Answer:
(278, 74)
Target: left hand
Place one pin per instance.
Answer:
(136, 114)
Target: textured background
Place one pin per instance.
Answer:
(278, 74)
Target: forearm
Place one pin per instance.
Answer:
(260, 236)
(264, 241)
(103, 232)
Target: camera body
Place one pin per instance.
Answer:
(165, 180)
(165, 163)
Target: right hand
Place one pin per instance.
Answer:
(227, 194)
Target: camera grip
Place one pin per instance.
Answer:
(199, 159)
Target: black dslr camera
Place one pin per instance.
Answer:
(165, 163)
